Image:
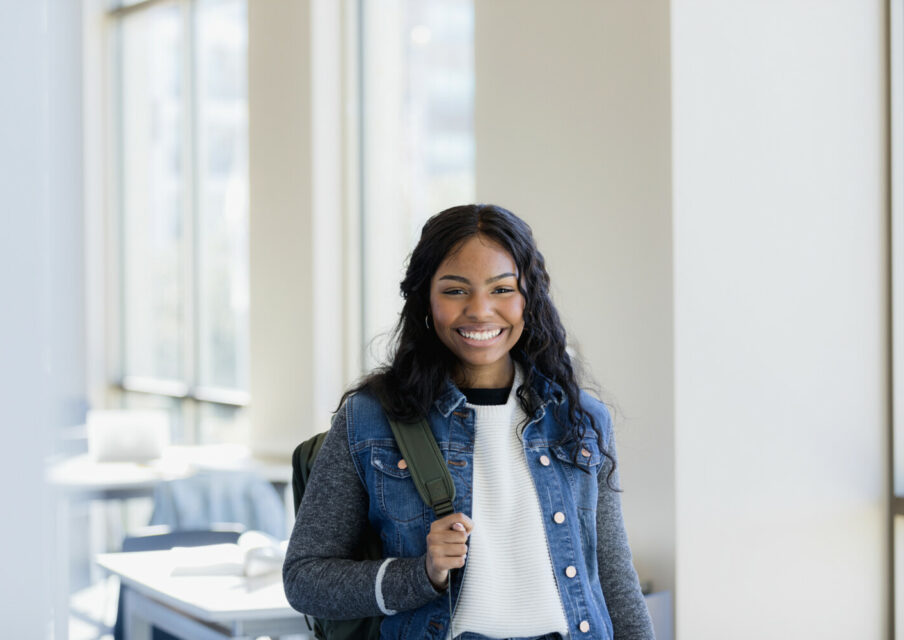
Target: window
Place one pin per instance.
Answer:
(417, 139)
(179, 87)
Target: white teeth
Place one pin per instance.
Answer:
(480, 335)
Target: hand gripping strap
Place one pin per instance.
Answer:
(426, 464)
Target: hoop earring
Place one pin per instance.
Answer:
(427, 321)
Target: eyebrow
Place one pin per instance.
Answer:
(466, 281)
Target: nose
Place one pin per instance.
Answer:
(480, 307)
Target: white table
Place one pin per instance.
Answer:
(81, 475)
(82, 478)
(214, 606)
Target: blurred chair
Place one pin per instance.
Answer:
(159, 538)
(241, 497)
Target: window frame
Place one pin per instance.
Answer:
(187, 397)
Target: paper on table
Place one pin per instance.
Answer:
(213, 560)
(255, 554)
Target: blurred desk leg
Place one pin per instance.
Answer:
(135, 626)
(61, 566)
(140, 611)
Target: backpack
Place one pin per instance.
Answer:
(433, 482)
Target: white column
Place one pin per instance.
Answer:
(781, 336)
(42, 387)
(296, 221)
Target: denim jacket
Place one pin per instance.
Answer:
(564, 485)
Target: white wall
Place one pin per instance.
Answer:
(572, 133)
(781, 349)
(296, 223)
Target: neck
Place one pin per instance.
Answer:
(498, 376)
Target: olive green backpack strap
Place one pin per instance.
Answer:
(426, 464)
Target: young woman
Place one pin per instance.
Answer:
(536, 547)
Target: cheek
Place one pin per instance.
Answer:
(517, 320)
(516, 311)
(440, 313)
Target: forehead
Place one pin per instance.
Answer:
(479, 255)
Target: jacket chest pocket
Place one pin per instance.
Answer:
(394, 487)
(581, 471)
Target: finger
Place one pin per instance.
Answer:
(441, 565)
(455, 522)
(450, 562)
(447, 536)
(448, 550)
(446, 522)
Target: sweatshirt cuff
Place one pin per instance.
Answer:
(405, 584)
(378, 589)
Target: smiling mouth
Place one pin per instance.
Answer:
(479, 335)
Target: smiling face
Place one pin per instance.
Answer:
(478, 312)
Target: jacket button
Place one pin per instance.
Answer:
(571, 571)
(544, 460)
(559, 517)
(584, 626)
(403, 464)
(585, 453)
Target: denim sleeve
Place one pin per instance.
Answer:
(320, 575)
(621, 587)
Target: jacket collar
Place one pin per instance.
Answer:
(451, 397)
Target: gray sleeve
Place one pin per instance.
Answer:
(621, 588)
(321, 575)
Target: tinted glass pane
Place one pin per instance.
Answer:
(223, 424)
(222, 183)
(180, 431)
(152, 191)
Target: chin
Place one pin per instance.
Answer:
(487, 361)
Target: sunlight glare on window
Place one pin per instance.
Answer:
(418, 138)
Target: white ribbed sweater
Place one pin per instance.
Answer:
(509, 588)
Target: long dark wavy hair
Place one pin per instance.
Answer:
(421, 363)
